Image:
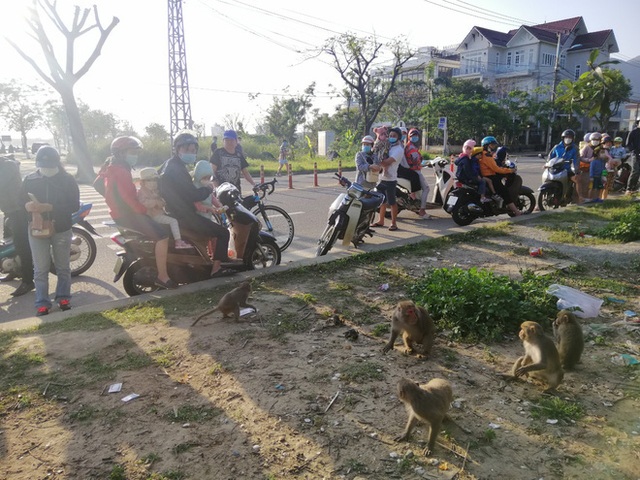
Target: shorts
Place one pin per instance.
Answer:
(282, 161)
(596, 183)
(388, 187)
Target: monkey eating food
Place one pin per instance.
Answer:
(541, 359)
(569, 339)
(429, 404)
(231, 303)
(416, 327)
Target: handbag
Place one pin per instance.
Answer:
(41, 227)
(372, 177)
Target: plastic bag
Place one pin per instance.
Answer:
(582, 304)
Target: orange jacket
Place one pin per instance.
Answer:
(489, 167)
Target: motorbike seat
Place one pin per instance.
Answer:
(372, 203)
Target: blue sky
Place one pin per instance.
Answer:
(241, 47)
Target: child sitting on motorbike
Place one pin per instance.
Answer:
(490, 169)
(468, 170)
(202, 174)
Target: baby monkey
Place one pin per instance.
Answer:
(540, 359)
(231, 302)
(429, 404)
(569, 339)
(416, 327)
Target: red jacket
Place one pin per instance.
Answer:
(120, 191)
(413, 156)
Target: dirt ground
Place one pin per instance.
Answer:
(283, 394)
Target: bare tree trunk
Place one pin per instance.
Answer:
(85, 173)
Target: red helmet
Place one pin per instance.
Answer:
(414, 131)
(122, 144)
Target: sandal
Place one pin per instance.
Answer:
(377, 224)
(393, 228)
(169, 284)
(223, 272)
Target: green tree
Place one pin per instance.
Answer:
(63, 75)
(598, 92)
(406, 101)
(367, 85)
(156, 131)
(525, 109)
(98, 125)
(286, 114)
(20, 108)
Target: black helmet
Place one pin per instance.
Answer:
(568, 133)
(47, 157)
(184, 139)
(501, 154)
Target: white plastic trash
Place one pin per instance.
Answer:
(582, 304)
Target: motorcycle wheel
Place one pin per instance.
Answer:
(526, 202)
(546, 201)
(462, 216)
(83, 252)
(328, 238)
(266, 254)
(133, 283)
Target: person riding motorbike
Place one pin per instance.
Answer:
(413, 158)
(568, 151)
(178, 190)
(585, 159)
(468, 170)
(367, 164)
(490, 169)
(124, 207)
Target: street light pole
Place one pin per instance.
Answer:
(556, 68)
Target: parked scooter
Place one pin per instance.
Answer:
(621, 175)
(444, 183)
(136, 262)
(83, 248)
(464, 205)
(557, 188)
(350, 216)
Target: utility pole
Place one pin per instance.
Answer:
(179, 102)
(556, 68)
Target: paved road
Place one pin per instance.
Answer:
(307, 205)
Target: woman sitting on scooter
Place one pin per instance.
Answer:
(367, 164)
(124, 207)
(490, 169)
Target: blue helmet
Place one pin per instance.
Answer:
(488, 140)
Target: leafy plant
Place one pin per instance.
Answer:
(479, 305)
(557, 408)
(624, 228)
(381, 329)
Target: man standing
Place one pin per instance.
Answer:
(633, 144)
(229, 164)
(17, 220)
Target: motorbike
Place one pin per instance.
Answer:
(444, 183)
(557, 188)
(350, 215)
(136, 265)
(82, 255)
(621, 176)
(464, 205)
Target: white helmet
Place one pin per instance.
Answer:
(367, 139)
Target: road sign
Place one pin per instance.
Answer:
(442, 124)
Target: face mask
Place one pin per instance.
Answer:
(49, 171)
(366, 148)
(131, 160)
(187, 157)
(392, 140)
(595, 143)
(568, 141)
(415, 139)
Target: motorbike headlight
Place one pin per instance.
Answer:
(355, 190)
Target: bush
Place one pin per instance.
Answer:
(479, 305)
(625, 228)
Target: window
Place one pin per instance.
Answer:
(519, 58)
(577, 75)
(508, 59)
(531, 56)
(548, 59)
(563, 60)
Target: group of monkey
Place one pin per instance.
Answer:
(543, 359)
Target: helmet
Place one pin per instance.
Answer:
(606, 138)
(568, 133)
(367, 139)
(469, 143)
(122, 144)
(587, 137)
(595, 136)
(403, 129)
(488, 140)
(414, 131)
(617, 140)
(47, 157)
(397, 131)
(501, 154)
(184, 139)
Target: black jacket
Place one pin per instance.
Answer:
(178, 190)
(61, 191)
(633, 140)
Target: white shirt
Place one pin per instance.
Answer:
(390, 173)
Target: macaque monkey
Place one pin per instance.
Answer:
(540, 359)
(416, 327)
(428, 404)
(569, 339)
(231, 302)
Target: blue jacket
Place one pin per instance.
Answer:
(568, 153)
(468, 169)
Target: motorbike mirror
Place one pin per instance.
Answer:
(540, 155)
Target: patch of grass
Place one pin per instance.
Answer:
(94, 367)
(557, 408)
(192, 413)
(163, 356)
(83, 414)
(118, 472)
(290, 322)
(305, 298)
(150, 459)
(489, 435)
(133, 361)
(625, 226)
(381, 329)
(183, 447)
(488, 355)
(15, 366)
(340, 287)
(361, 372)
(404, 465)
(217, 369)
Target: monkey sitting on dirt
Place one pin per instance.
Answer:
(429, 404)
(416, 327)
(569, 339)
(540, 359)
(231, 302)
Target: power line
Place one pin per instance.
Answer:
(479, 16)
(483, 10)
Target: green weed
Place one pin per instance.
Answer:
(361, 372)
(557, 408)
(192, 413)
(381, 329)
